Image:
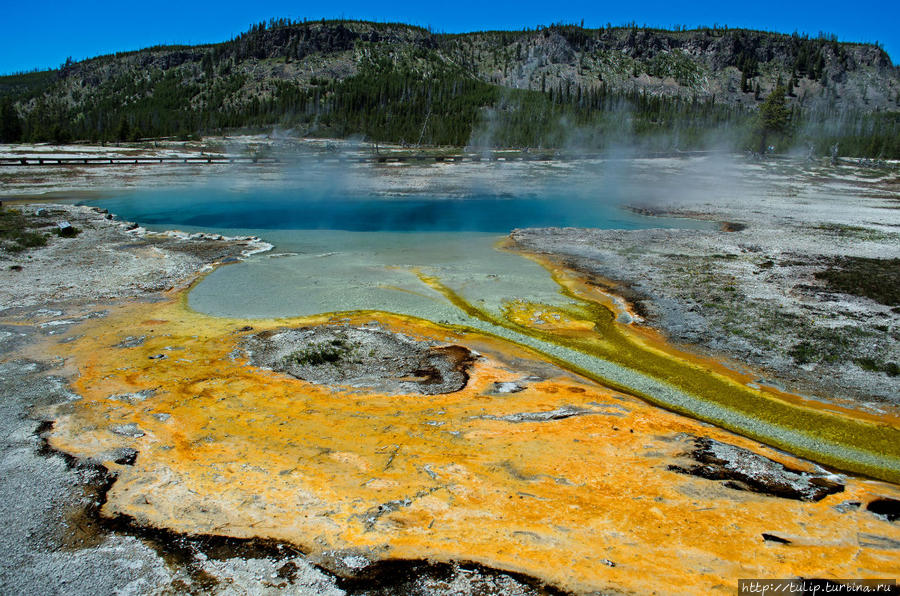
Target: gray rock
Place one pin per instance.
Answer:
(742, 469)
(557, 414)
(362, 357)
(505, 387)
(127, 430)
(132, 341)
(876, 541)
(847, 506)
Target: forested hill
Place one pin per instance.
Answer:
(549, 87)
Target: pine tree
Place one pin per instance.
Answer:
(774, 117)
(124, 131)
(820, 66)
(10, 124)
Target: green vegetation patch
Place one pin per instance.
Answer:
(16, 232)
(327, 352)
(69, 232)
(27, 81)
(857, 232)
(889, 368)
(876, 279)
(678, 65)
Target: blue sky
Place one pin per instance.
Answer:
(43, 34)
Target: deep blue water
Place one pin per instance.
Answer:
(291, 209)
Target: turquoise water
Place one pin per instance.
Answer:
(344, 247)
(299, 209)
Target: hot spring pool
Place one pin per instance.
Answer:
(342, 252)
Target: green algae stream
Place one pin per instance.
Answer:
(610, 357)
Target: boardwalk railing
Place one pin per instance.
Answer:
(33, 160)
(121, 160)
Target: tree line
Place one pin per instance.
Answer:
(387, 101)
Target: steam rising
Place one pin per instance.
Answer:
(336, 185)
(349, 234)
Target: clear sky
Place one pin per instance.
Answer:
(41, 34)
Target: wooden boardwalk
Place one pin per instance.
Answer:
(128, 161)
(210, 160)
(34, 160)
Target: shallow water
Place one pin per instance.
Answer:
(313, 272)
(341, 251)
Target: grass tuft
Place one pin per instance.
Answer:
(16, 233)
(877, 279)
(326, 352)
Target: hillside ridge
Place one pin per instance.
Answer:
(268, 74)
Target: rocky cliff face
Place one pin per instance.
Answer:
(705, 63)
(728, 66)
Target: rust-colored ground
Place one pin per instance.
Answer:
(584, 503)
